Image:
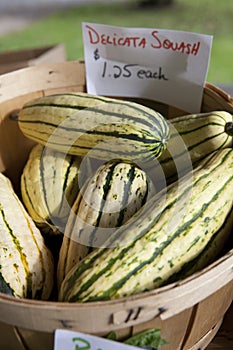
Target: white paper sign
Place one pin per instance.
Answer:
(68, 340)
(163, 65)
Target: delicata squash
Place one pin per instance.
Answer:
(167, 239)
(104, 128)
(26, 264)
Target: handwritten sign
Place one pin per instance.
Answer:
(69, 340)
(163, 65)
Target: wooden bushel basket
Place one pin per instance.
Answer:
(188, 312)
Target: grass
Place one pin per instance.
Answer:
(212, 17)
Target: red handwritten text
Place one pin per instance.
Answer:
(154, 41)
(115, 40)
(184, 47)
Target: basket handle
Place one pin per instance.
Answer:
(220, 92)
(216, 99)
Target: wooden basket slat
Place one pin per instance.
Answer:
(202, 310)
(42, 77)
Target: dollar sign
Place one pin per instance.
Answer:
(96, 54)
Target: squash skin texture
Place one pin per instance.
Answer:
(26, 264)
(170, 236)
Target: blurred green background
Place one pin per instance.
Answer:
(214, 17)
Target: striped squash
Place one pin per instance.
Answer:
(217, 245)
(26, 264)
(162, 240)
(115, 192)
(49, 185)
(80, 123)
(192, 138)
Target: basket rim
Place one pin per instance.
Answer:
(220, 92)
(221, 267)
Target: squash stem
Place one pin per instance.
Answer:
(229, 128)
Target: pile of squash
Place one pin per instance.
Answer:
(115, 199)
